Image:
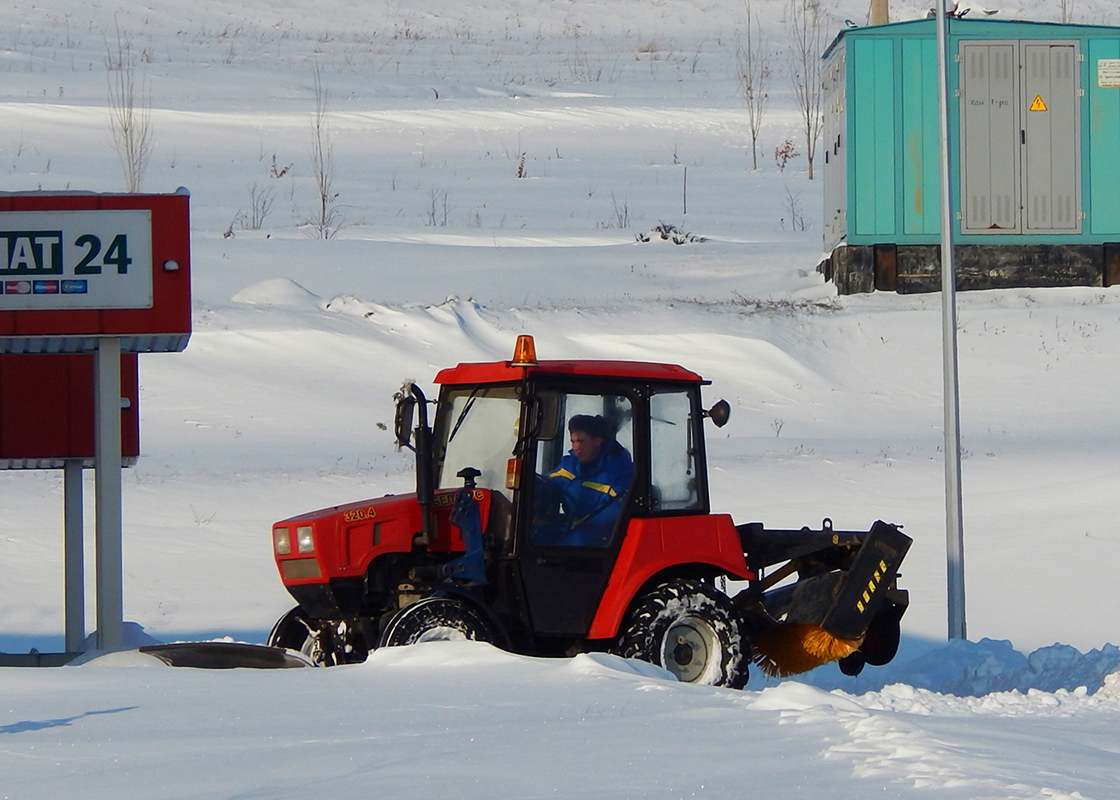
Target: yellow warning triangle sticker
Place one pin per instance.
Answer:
(1038, 104)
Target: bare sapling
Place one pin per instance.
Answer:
(327, 219)
(260, 204)
(805, 23)
(752, 56)
(797, 219)
(130, 111)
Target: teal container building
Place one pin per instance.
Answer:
(1034, 121)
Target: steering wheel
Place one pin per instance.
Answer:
(549, 504)
(579, 522)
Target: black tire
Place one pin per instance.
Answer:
(852, 665)
(437, 619)
(880, 645)
(690, 629)
(326, 643)
(294, 631)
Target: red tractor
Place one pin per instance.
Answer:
(518, 535)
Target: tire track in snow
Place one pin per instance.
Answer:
(930, 754)
(962, 747)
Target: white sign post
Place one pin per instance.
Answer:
(109, 558)
(73, 555)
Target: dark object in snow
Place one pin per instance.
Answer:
(224, 655)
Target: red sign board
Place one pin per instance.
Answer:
(46, 410)
(77, 266)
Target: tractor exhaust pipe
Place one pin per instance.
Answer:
(425, 468)
(409, 399)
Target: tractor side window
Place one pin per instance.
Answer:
(479, 429)
(585, 472)
(672, 454)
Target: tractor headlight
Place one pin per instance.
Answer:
(305, 540)
(281, 541)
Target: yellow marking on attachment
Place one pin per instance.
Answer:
(860, 606)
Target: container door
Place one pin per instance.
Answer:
(1051, 137)
(989, 137)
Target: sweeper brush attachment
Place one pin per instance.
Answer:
(845, 587)
(790, 648)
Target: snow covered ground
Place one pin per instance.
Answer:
(277, 407)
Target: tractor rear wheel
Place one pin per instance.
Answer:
(435, 619)
(689, 628)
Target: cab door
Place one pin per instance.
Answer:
(564, 571)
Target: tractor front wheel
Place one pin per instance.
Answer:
(437, 619)
(689, 628)
(324, 642)
(293, 631)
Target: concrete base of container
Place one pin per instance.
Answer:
(910, 269)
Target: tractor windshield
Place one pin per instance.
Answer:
(477, 427)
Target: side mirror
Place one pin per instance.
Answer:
(719, 413)
(402, 423)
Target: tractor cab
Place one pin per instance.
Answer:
(569, 453)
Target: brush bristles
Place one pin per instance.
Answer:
(792, 648)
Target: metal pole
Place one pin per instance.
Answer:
(954, 513)
(107, 494)
(880, 12)
(73, 555)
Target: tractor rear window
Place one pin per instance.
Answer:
(673, 484)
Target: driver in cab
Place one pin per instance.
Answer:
(592, 480)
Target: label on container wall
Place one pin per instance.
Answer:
(1108, 73)
(75, 259)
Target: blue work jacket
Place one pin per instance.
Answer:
(594, 493)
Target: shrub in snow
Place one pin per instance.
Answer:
(669, 233)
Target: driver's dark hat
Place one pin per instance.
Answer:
(594, 426)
